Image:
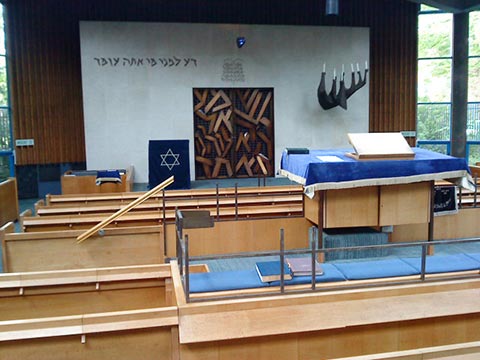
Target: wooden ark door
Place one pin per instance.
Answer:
(233, 133)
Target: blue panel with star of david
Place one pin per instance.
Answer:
(167, 158)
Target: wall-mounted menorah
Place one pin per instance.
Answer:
(339, 98)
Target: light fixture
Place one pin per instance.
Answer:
(241, 41)
(331, 7)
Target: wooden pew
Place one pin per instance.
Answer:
(120, 313)
(100, 313)
(461, 351)
(331, 324)
(126, 197)
(149, 218)
(171, 204)
(55, 250)
(58, 250)
(8, 201)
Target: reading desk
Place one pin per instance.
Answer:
(344, 192)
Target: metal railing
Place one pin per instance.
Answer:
(184, 261)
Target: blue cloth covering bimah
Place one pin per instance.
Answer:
(333, 169)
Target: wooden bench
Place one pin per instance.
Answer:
(121, 312)
(99, 313)
(54, 250)
(59, 251)
(461, 351)
(171, 203)
(150, 218)
(323, 324)
(225, 204)
(126, 197)
(8, 201)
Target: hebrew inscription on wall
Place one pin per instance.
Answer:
(162, 62)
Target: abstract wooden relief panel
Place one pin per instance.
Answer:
(233, 133)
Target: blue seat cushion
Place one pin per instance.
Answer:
(225, 280)
(475, 256)
(330, 274)
(444, 263)
(375, 269)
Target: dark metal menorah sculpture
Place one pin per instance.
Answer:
(334, 98)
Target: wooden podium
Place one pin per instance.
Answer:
(376, 205)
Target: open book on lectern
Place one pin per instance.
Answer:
(380, 146)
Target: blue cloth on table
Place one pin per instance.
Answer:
(225, 280)
(375, 269)
(444, 263)
(106, 176)
(330, 274)
(311, 171)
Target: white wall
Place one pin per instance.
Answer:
(126, 105)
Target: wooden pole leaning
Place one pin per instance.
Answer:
(124, 210)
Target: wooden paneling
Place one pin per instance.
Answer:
(45, 82)
(45, 72)
(144, 343)
(454, 226)
(242, 236)
(350, 341)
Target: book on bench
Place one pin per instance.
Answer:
(270, 271)
(302, 266)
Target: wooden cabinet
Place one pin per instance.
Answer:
(404, 204)
(371, 206)
(351, 207)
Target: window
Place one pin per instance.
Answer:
(473, 117)
(6, 147)
(434, 79)
(435, 30)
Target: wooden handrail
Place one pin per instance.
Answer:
(127, 208)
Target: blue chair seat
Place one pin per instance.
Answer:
(225, 280)
(475, 256)
(444, 263)
(375, 269)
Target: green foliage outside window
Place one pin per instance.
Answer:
(3, 82)
(474, 34)
(4, 168)
(434, 35)
(434, 79)
(474, 80)
(433, 121)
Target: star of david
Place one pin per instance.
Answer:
(169, 159)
